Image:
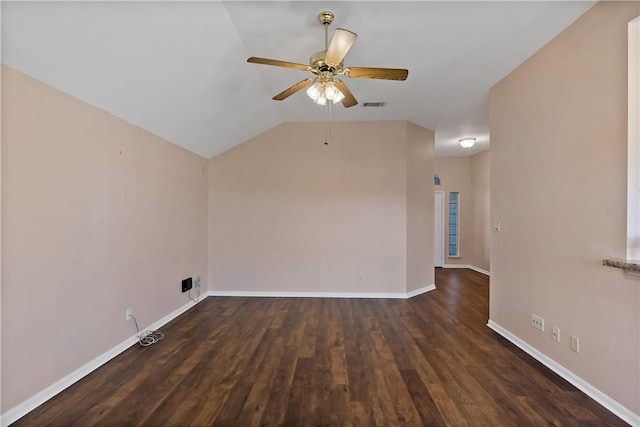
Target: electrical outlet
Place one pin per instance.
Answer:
(127, 315)
(360, 277)
(196, 283)
(556, 334)
(575, 343)
(537, 322)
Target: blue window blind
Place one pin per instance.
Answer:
(453, 224)
(436, 180)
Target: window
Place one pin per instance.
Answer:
(454, 218)
(436, 179)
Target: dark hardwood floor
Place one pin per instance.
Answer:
(430, 360)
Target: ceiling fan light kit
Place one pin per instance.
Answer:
(327, 64)
(324, 89)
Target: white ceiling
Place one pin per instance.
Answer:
(179, 70)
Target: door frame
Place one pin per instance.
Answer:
(435, 228)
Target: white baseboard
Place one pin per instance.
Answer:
(38, 399)
(421, 291)
(480, 270)
(455, 265)
(469, 266)
(621, 411)
(288, 294)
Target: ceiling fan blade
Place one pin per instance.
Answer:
(277, 63)
(349, 100)
(340, 44)
(293, 89)
(377, 73)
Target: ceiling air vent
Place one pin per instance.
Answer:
(373, 104)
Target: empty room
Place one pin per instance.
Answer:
(287, 213)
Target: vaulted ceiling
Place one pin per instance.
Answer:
(178, 69)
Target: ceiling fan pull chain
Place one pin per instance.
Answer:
(326, 129)
(329, 104)
(327, 117)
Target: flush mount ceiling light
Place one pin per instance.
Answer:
(467, 142)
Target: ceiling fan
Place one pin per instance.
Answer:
(327, 64)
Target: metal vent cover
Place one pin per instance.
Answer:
(373, 104)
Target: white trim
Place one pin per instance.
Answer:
(624, 413)
(421, 291)
(480, 270)
(38, 399)
(469, 266)
(633, 143)
(290, 294)
(442, 246)
(456, 265)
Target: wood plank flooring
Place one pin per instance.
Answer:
(430, 360)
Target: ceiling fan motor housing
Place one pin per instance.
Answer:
(318, 65)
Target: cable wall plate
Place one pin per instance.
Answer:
(187, 284)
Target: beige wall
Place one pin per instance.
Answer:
(455, 176)
(480, 207)
(97, 216)
(558, 185)
(290, 214)
(420, 232)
